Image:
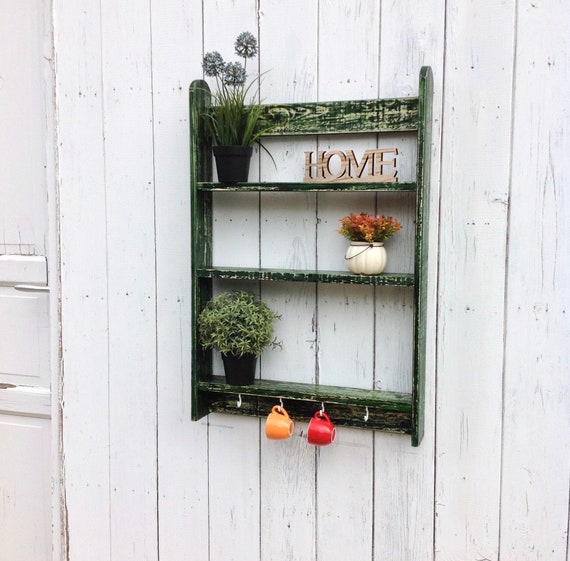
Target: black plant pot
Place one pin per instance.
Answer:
(232, 163)
(240, 370)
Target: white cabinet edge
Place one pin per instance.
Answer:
(25, 400)
(16, 269)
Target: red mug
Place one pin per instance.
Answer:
(321, 431)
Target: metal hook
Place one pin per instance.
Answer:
(280, 404)
(239, 401)
(366, 415)
(322, 408)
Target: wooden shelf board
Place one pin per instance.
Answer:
(314, 392)
(293, 275)
(343, 117)
(350, 407)
(307, 187)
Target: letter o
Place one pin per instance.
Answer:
(343, 163)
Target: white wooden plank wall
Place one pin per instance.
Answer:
(473, 237)
(536, 419)
(182, 444)
(411, 35)
(490, 480)
(84, 298)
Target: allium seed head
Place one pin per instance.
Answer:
(234, 74)
(213, 64)
(246, 45)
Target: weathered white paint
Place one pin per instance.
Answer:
(15, 269)
(490, 480)
(85, 462)
(182, 498)
(29, 488)
(25, 488)
(25, 125)
(473, 232)
(412, 34)
(24, 345)
(536, 420)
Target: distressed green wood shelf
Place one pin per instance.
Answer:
(292, 275)
(366, 409)
(307, 187)
(352, 407)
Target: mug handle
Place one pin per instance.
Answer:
(281, 411)
(321, 414)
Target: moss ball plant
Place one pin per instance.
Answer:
(236, 323)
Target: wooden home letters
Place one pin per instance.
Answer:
(347, 168)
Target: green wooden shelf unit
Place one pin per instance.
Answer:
(387, 411)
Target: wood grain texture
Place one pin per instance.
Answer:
(332, 117)
(411, 35)
(536, 433)
(304, 275)
(181, 444)
(339, 394)
(127, 105)
(85, 353)
(473, 234)
(119, 94)
(315, 187)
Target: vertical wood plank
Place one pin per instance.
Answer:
(472, 246)
(129, 177)
(536, 470)
(234, 492)
(404, 476)
(233, 488)
(182, 444)
(288, 228)
(58, 545)
(348, 33)
(84, 332)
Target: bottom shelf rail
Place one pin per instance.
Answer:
(349, 407)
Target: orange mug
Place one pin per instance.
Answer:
(278, 425)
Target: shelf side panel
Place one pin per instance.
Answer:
(421, 258)
(201, 230)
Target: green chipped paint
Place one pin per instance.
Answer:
(201, 235)
(352, 407)
(347, 406)
(292, 275)
(344, 117)
(309, 187)
(339, 395)
(421, 253)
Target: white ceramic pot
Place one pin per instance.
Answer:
(364, 258)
